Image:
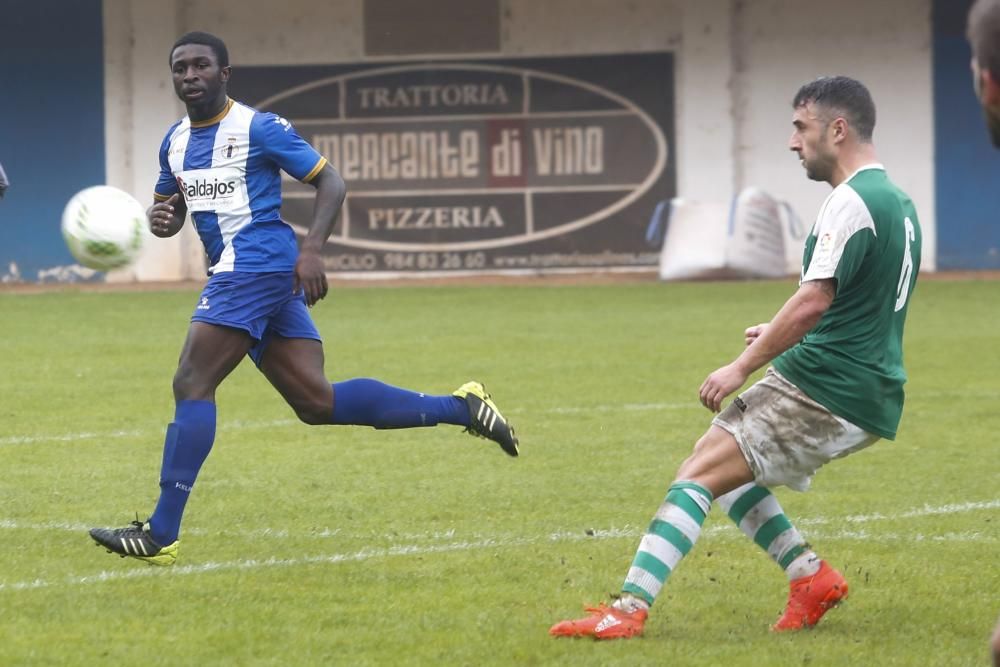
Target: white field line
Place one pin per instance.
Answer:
(68, 437)
(627, 407)
(238, 425)
(330, 559)
(926, 510)
(417, 550)
(112, 435)
(361, 555)
(725, 532)
(326, 533)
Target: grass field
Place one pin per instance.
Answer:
(348, 546)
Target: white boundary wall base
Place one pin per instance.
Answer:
(738, 64)
(140, 106)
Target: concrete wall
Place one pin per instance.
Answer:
(886, 44)
(738, 65)
(140, 105)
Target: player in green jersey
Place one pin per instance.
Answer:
(983, 31)
(835, 385)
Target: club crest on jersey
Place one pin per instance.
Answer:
(230, 149)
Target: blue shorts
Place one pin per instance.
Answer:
(262, 304)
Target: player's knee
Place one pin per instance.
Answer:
(189, 386)
(313, 412)
(716, 462)
(313, 417)
(700, 454)
(695, 464)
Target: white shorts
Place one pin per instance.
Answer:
(786, 436)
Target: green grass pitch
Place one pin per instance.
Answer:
(349, 546)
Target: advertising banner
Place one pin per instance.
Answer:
(507, 165)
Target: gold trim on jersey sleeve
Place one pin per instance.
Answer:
(315, 170)
(158, 197)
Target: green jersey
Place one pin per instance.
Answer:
(866, 237)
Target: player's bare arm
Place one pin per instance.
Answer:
(167, 217)
(310, 274)
(795, 319)
(750, 334)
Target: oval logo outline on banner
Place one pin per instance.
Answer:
(655, 172)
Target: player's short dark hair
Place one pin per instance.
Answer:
(983, 31)
(211, 41)
(846, 97)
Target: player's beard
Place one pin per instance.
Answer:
(993, 124)
(821, 165)
(820, 168)
(991, 113)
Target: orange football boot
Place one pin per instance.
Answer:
(811, 597)
(603, 623)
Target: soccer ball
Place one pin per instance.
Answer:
(104, 227)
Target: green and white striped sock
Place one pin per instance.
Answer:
(757, 513)
(672, 533)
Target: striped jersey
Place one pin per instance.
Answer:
(227, 168)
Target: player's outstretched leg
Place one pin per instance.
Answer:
(485, 419)
(135, 541)
(815, 587)
(368, 402)
(295, 367)
(672, 533)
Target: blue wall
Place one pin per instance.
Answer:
(967, 167)
(51, 122)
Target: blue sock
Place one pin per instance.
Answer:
(188, 442)
(367, 402)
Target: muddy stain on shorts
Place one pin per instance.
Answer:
(786, 436)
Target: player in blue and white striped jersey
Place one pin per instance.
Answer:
(222, 162)
(226, 169)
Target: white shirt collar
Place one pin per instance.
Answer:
(873, 165)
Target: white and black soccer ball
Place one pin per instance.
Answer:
(104, 227)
